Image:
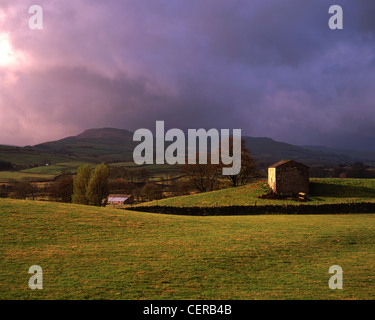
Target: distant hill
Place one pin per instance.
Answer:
(94, 145)
(106, 134)
(116, 145)
(358, 155)
(24, 156)
(267, 151)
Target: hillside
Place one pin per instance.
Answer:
(269, 151)
(322, 191)
(116, 145)
(359, 155)
(94, 145)
(23, 156)
(100, 253)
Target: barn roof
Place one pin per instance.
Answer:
(118, 197)
(282, 162)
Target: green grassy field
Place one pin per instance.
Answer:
(158, 172)
(322, 191)
(43, 172)
(28, 155)
(7, 176)
(58, 168)
(102, 253)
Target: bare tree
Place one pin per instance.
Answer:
(203, 177)
(248, 167)
(24, 189)
(151, 191)
(63, 189)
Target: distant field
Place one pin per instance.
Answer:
(102, 253)
(157, 172)
(41, 173)
(58, 168)
(25, 156)
(322, 191)
(7, 176)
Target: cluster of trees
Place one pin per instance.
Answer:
(141, 175)
(90, 187)
(5, 166)
(206, 177)
(122, 186)
(357, 170)
(142, 191)
(24, 189)
(63, 189)
(4, 190)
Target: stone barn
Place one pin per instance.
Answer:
(288, 176)
(118, 199)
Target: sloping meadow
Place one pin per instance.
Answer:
(326, 196)
(102, 253)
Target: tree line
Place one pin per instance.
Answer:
(92, 186)
(357, 170)
(206, 177)
(6, 166)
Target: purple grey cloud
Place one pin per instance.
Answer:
(272, 68)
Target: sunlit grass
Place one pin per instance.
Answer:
(323, 191)
(9, 176)
(103, 253)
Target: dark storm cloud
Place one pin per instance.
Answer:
(271, 68)
(365, 21)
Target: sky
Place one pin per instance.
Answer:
(271, 68)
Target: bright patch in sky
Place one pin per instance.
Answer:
(8, 56)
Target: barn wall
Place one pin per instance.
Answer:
(292, 179)
(272, 178)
